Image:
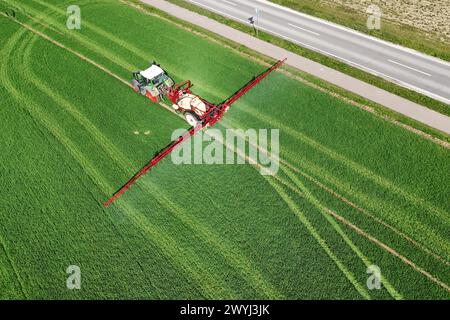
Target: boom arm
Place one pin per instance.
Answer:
(217, 113)
(161, 155)
(253, 83)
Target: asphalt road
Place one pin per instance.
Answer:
(424, 74)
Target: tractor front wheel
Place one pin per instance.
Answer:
(138, 88)
(143, 91)
(135, 85)
(191, 118)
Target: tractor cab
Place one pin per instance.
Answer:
(153, 82)
(141, 80)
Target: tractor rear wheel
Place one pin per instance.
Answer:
(191, 118)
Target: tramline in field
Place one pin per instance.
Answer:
(157, 85)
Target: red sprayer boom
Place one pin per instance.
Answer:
(213, 115)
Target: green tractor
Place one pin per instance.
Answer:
(153, 82)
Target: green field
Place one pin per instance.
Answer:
(353, 190)
(407, 38)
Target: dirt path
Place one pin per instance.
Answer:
(382, 97)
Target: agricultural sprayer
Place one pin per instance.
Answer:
(157, 85)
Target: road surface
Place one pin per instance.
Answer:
(370, 92)
(424, 74)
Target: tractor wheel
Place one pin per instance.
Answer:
(135, 85)
(191, 118)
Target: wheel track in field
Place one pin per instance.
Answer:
(316, 235)
(94, 197)
(312, 230)
(238, 262)
(19, 280)
(124, 44)
(385, 183)
(20, 11)
(391, 251)
(15, 94)
(321, 242)
(327, 213)
(319, 172)
(136, 51)
(105, 52)
(54, 24)
(141, 54)
(440, 213)
(336, 216)
(71, 109)
(372, 203)
(324, 212)
(356, 167)
(159, 238)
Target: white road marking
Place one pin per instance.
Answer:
(229, 2)
(408, 67)
(298, 27)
